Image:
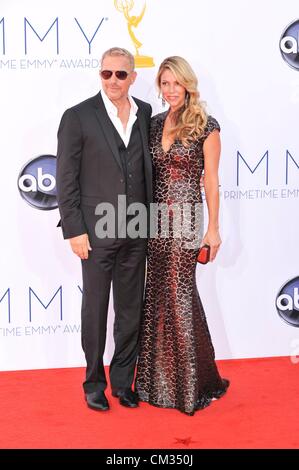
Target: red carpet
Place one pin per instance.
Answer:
(46, 409)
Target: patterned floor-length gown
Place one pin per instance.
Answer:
(176, 366)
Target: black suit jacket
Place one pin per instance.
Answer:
(89, 169)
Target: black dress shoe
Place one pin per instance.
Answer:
(126, 397)
(97, 401)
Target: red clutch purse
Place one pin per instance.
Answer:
(203, 256)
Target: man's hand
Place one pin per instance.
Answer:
(80, 245)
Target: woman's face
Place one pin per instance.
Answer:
(171, 90)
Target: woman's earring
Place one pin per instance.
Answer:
(162, 99)
(187, 99)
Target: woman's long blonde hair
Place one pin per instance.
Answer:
(191, 119)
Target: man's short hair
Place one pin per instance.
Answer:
(119, 51)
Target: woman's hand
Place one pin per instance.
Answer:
(212, 238)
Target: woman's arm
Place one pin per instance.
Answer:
(211, 150)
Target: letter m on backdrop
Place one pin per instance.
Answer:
(31, 293)
(7, 293)
(26, 22)
(240, 157)
(2, 35)
(289, 156)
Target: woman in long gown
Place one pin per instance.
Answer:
(176, 366)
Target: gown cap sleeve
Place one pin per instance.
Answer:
(211, 125)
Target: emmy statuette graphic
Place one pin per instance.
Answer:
(125, 6)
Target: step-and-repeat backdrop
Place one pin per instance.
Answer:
(246, 57)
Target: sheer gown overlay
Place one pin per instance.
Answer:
(176, 365)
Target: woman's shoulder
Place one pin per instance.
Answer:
(158, 117)
(157, 122)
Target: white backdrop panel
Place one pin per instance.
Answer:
(234, 48)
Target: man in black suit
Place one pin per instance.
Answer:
(102, 155)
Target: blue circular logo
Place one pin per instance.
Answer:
(289, 43)
(287, 302)
(37, 182)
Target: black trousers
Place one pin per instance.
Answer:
(123, 264)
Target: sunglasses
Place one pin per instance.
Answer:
(120, 74)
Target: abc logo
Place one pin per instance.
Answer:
(289, 45)
(287, 302)
(37, 182)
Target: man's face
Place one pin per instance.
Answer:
(115, 88)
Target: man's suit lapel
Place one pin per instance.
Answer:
(143, 130)
(144, 136)
(107, 127)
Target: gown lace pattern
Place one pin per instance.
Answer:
(176, 365)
